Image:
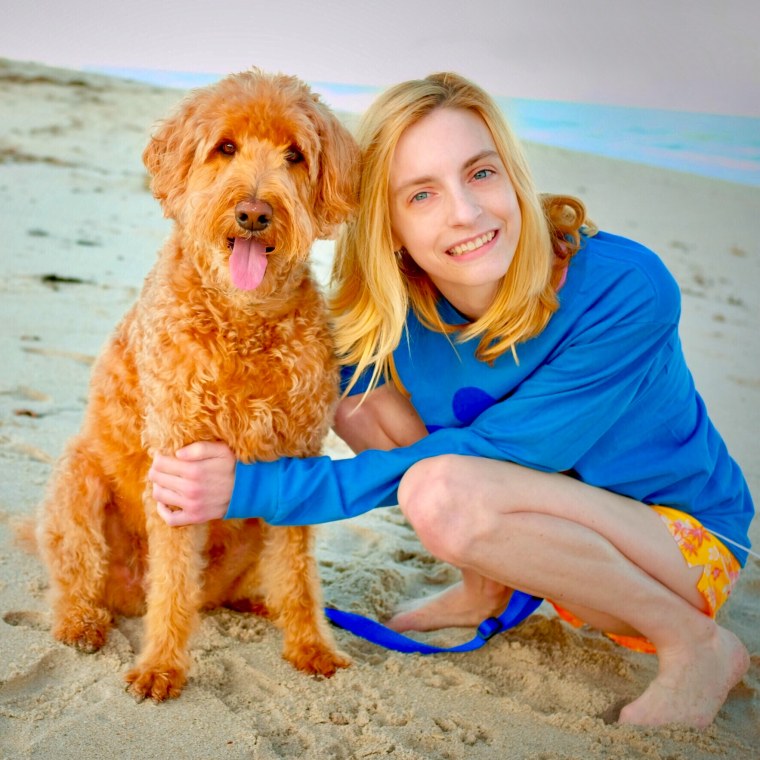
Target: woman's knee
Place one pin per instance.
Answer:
(431, 496)
(347, 416)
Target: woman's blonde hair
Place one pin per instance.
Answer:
(373, 285)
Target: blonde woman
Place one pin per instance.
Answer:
(516, 384)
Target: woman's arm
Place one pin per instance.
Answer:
(196, 484)
(548, 424)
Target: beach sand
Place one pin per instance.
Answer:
(78, 232)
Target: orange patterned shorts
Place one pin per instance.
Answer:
(699, 547)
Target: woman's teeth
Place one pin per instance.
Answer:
(473, 244)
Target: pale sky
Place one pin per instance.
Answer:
(694, 55)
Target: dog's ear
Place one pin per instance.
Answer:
(169, 155)
(338, 182)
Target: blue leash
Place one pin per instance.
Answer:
(520, 606)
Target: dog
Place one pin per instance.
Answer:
(227, 341)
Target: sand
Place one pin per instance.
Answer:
(78, 232)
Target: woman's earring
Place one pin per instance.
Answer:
(400, 253)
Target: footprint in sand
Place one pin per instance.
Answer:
(36, 621)
(87, 359)
(749, 382)
(26, 393)
(466, 732)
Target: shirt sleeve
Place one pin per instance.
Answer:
(552, 419)
(548, 424)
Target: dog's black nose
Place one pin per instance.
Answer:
(253, 216)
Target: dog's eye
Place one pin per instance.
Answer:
(293, 155)
(227, 147)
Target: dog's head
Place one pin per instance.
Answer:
(253, 169)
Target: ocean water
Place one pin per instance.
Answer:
(711, 145)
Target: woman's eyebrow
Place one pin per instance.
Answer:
(483, 154)
(413, 182)
(488, 153)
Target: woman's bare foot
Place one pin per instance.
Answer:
(691, 686)
(463, 605)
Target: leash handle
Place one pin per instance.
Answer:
(520, 606)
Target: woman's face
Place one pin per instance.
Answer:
(453, 206)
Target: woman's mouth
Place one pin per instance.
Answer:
(472, 245)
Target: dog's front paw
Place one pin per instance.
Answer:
(86, 630)
(155, 682)
(318, 660)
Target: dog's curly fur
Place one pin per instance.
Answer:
(197, 358)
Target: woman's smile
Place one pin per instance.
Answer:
(460, 249)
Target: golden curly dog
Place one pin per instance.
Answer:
(228, 341)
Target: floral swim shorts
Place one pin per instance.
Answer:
(699, 547)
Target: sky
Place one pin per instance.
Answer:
(689, 55)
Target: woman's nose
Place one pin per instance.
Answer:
(464, 207)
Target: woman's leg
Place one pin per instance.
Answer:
(383, 420)
(608, 559)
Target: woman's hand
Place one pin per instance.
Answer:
(195, 485)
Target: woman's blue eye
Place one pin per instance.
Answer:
(420, 196)
(482, 173)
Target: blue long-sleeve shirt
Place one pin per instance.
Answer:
(603, 391)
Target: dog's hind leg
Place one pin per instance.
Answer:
(175, 563)
(294, 598)
(73, 544)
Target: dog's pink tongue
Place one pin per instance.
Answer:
(248, 263)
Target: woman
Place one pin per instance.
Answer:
(516, 385)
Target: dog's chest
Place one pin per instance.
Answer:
(266, 389)
(266, 358)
